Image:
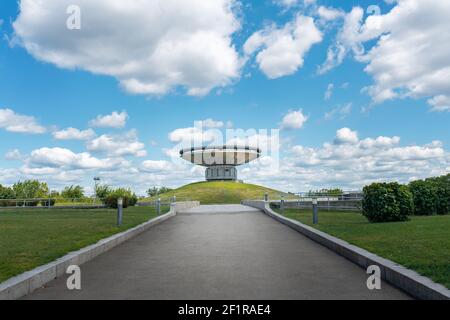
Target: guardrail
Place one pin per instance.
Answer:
(50, 203)
(345, 201)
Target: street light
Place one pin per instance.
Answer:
(96, 182)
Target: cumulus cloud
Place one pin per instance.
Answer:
(410, 55)
(156, 166)
(118, 145)
(74, 134)
(294, 120)
(196, 136)
(14, 122)
(346, 136)
(13, 155)
(329, 13)
(150, 47)
(114, 120)
(61, 157)
(281, 51)
(356, 163)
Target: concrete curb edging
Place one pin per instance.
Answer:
(29, 281)
(409, 281)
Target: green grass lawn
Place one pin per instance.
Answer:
(221, 192)
(422, 244)
(33, 237)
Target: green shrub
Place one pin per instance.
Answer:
(431, 196)
(129, 198)
(73, 193)
(30, 189)
(442, 186)
(387, 202)
(425, 197)
(6, 194)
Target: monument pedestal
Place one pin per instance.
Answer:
(221, 173)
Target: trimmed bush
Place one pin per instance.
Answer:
(425, 197)
(442, 185)
(129, 198)
(431, 196)
(387, 202)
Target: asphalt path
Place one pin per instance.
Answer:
(219, 252)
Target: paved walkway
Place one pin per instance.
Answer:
(220, 252)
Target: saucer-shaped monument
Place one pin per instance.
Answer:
(220, 161)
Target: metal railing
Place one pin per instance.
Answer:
(50, 203)
(346, 201)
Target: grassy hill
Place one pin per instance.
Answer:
(222, 192)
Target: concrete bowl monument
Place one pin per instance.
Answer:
(220, 161)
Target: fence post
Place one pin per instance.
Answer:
(266, 197)
(158, 206)
(174, 199)
(48, 203)
(282, 204)
(119, 211)
(315, 211)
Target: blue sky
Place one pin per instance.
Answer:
(57, 97)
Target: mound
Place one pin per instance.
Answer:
(223, 192)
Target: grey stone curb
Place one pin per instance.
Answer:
(29, 281)
(409, 281)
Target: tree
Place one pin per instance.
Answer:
(6, 194)
(102, 191)
(30, 189)
(152, 192)
(73, 192)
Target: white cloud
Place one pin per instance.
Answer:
(151, 47)
(281, 51)
(440, 103)
(61, 157)
(329, 91)
(348, 39)
(410, 55)
(196, 136)
(14, 122)
(293, 3)
(294, 120)
(118, 145)
(353, 165)
(329, 14)
(113, 120)
(346, 136)
(156, 166)
(340, 112)
(209, 124)
(13, 155)
(74, 134)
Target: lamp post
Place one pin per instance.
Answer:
(96, 182)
